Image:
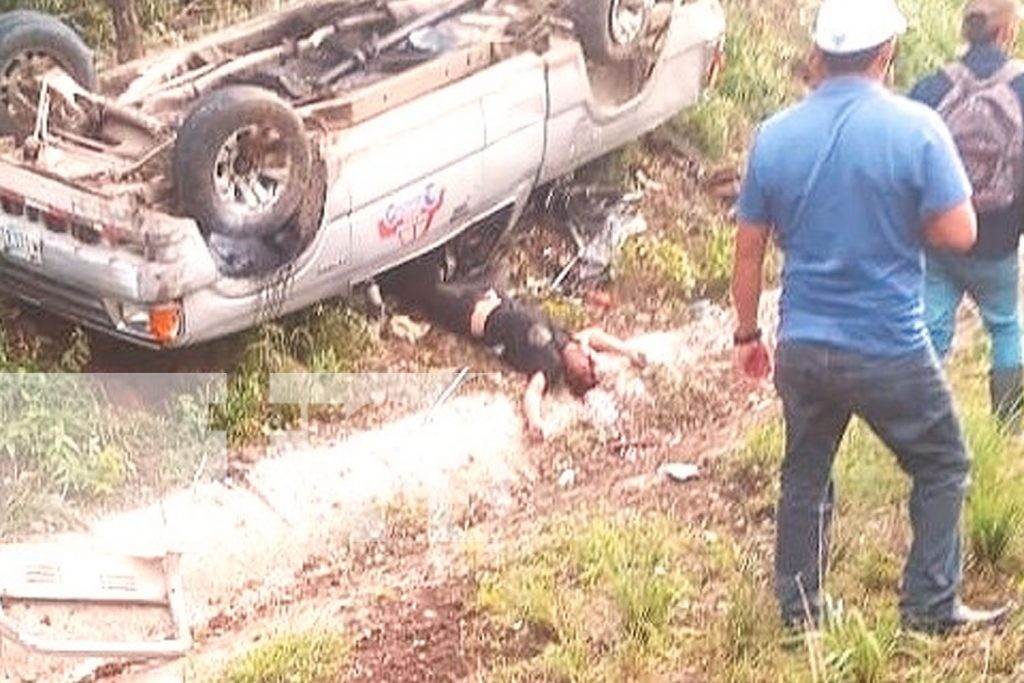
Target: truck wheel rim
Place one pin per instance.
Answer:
(626, 20)
(20, 82)
(251, 169)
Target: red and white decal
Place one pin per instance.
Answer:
(412, 218)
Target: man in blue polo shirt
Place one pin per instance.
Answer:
(981, 96)
(852, 183)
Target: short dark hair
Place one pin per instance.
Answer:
(579, 381)
(977, 29)
(850, 63)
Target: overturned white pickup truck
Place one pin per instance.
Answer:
(206, 189)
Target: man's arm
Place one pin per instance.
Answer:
(748, 274)
(599, 340)
(955, 229)
(532, 399)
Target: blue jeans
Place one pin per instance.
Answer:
(992, 284)
(907, 403)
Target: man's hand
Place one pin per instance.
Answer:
(541, 432)
(753, 361)
(638, 359)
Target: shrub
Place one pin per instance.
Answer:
(312, 657)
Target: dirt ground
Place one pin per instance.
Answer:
(368, 533)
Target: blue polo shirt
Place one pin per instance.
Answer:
(853, 275)
(999, 230)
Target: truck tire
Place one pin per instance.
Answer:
(14, 16)
(611, 31)
(241, 162)
(30, 44)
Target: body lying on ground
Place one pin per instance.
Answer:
(524, 337)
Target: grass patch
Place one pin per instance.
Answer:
(714, 267)
(931, 41)
(319, 657)
(66, 446)
(329, 338)
(853, 650)
(601, 594)
(659, 263)
(751, 473)
(755, 83)
(568, 312)
(746, 636)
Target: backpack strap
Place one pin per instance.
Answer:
(1009, 72)
(965, 80)
(830, 146)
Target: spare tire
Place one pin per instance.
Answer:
(241, 162)
(611, 31)
(31, 44)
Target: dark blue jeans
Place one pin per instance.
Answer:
(907, 403)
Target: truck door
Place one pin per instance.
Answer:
(515, 112)
(414, 174)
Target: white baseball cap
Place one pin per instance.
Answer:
(847, 26)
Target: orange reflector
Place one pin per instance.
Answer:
(165, 322)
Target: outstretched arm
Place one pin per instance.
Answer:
(599, 340)
(532, 403)
(751, 355)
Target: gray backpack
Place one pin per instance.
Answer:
(985, 118)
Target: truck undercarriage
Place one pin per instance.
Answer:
(239, 144)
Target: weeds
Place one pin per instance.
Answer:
(567, 312)
(931, 41)
(714, 268)
(600, 593)
(751, 472)
(755, 82)
(854, 651)
(313, 657)
(745, 636)
(659, 263)
(995, 503)
(329, 338)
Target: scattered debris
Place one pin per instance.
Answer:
(679, 472)
(567, 478)
(597, 220)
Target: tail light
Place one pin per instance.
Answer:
(61, 221)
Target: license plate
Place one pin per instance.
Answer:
(19, 244)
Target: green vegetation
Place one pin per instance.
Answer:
(601, 595)
(330, 337)
(659, 262)
(160, 20)
(567, 312)
(65, 445)
(931, 41)
(311, 657)
(755, 83)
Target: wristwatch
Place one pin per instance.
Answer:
(748, 338)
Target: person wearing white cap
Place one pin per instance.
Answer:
(981, 97)
(852, 183)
